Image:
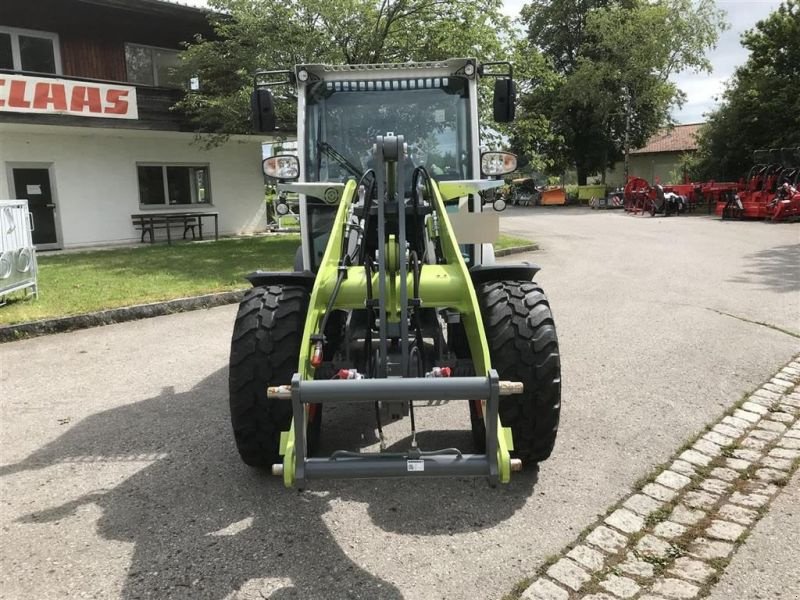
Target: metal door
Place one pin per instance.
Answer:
(34, 186)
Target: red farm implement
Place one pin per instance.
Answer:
(770, 190)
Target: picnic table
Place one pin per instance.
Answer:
(147, 223)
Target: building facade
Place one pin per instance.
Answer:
(87, 131)
(661, 159)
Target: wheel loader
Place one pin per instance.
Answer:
(395, 300)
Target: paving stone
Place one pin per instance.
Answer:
(757, 486)
(718, 438)
(723, 530)
(625, 520)
(691, 569)
(599, 597)
(543, 589)
(724, 474)
(769, 395)
(623, 587)
(737, 422)
(737, 464)
(673, 480)
(755, 408)
(746, 416)
(772, 425)
(728, 430)
(763, 434)
(675, 588)
(696, 458)
(784, 453)
(747, 454)
(715, 486)
(651, 597)
(790, 403)
(780, 417)
(684, 468)
(607, 539)
(702, 500)
(749, 500)
(738, 514)
(788, 442)
(771, 387)
(653, 547)
(710, 549)
(753, 443)
(770, 475)
(787, 376)
(587, 557)
(706, 447)
(659, 492)
(781, 383)
(781, 464)
(669, 530)
(686, 516)
(642, 505)
(765, 402)
(569, 573)
(636, 567)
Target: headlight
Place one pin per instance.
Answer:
(498, 163)
(283, 166)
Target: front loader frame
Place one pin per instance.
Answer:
(444, 285)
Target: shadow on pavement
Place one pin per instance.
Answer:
(203, 525)
(775, 268)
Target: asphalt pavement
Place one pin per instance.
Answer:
(119, 477)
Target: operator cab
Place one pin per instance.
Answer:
(341, 110)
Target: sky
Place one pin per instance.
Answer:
(701, 89)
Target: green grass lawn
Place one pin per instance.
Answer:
(81, 282)
(510, 241)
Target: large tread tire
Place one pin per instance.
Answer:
(523, 347)
(265, 349)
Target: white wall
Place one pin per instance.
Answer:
(96, 184)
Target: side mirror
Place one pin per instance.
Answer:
(505, 96)
(262, 110)
(284, 167)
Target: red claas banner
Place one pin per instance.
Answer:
(19, 93)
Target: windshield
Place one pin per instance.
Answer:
(344, 118)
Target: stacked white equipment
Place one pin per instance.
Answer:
(17, 252)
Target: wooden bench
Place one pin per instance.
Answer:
(147, 224)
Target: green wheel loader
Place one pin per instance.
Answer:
(395, 299)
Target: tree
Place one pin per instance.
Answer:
(613, 63)
(760, 108)
(271, 34)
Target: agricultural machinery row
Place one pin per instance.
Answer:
(771, 191)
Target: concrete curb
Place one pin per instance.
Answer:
(516, 250)
(10, 333)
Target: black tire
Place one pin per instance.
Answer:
(523, 347)
(264, 351)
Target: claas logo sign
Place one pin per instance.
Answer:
(65, 97)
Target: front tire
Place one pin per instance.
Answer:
(523, 347)
(265, 351)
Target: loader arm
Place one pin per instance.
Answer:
(446, 285)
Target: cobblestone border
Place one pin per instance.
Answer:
(672, 538)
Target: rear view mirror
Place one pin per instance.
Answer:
(262, 109)
(505, 96)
